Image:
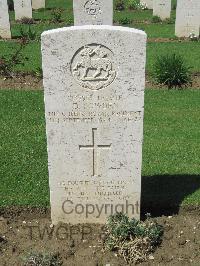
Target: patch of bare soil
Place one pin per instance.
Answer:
(29, 82)
(150, 84)
(30, 229)
(178, 40)
(21, 82)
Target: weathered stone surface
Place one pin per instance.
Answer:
(187, 18)
(162, 8)
(93, 12)
(149, 3)
(94, 80)
(4, 20)
(36, 4)
(23, 9)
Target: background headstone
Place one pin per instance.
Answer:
(36, 4)
(187, 18)
(93, 12)
(4, 20)
(94, 78)
(149, 3)
(162, 8)
(23, 9)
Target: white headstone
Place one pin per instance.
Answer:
(94, 78)
(4, 20)
(187, 18)
(162, 8)
(93, 12)
(23, 9)
(37, 4)
(148, 3)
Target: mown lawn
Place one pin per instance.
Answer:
(190, 52)
(171, 151)
(141, 19)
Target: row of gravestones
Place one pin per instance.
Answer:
(161, 8)
(23, 8)
(187, 14)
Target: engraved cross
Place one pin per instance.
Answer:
(94, 148)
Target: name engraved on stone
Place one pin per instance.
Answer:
(95, 148)
(92, 8)
(93, 67)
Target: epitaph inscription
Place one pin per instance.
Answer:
(94, 128)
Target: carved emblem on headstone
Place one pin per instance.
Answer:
(93, 66)
(92, 7)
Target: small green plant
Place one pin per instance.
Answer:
(120, 5)
(172, 71)
(8, 63)
(169, 20)
(69, 22)
(133, 240)
(134, 5)
(57, 15)
(125, 21)
(28, 34)
(39, 259)
(38, 73)
(156, 19)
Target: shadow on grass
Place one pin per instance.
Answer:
(163, 194)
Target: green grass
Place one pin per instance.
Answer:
(171, 148)
(190, 51)
(23, 149)
(31, 52)
(158, 30)
(171, 132)
(141, 19)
